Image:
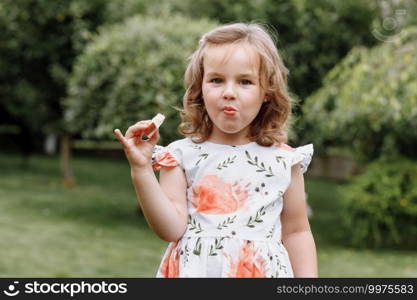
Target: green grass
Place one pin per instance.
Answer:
(335, 259)
(94, 230)
(91, 230)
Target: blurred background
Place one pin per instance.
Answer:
(72, 70)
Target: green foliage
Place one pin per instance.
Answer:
(119, 10)
(131, 71)
(312, 35)
(319, 35)
(369, 101)
(40, 40)
(380, 206)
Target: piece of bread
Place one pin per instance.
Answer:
(156, 123)
(158, 120)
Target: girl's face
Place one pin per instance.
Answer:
(231, 90)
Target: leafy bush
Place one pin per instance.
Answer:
(131, 71)
(380, 206)
(312, 35)
(39, 42)
(369, 102)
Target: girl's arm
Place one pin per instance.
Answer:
(296, 234)
(164, 204)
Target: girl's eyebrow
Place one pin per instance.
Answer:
(239, 75)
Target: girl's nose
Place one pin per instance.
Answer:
(229, 92)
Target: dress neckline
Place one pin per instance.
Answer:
(227, 145)
(223, 145)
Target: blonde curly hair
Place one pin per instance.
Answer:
(272, 122)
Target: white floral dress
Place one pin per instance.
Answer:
(234, 200)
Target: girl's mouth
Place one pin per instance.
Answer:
(229, 110)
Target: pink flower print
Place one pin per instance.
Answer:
(249, 264)
(170, 265)
(164, 159)
(213, 196)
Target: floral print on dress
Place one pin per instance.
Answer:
(170, 265)
(214, 196)
(164, 159)
(235, 196)
(249, 264)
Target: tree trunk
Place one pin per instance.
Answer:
(66, 171)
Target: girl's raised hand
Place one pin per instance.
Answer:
(137, 150)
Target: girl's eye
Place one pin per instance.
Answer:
(216, 80)
(246, 82)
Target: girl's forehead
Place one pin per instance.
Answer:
(237, 56)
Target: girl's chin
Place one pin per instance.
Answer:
(230, 130)
(229, 126)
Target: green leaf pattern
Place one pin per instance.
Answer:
(186, 254)
(202, 156)
(226, 223)
(224, 164)
(271, 232)
(197, 248)
(194, 225)
(217, 246)
(260, 166)
(257, 219)
(281, 159)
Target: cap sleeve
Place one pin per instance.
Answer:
(164, 157)
(302, 155)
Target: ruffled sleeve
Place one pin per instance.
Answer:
(164, 157)
(302, 155)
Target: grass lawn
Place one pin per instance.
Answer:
(94, 230)
(336, 260)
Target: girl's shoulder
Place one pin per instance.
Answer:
(301, 154)
(287, 148)
(177, 144)
(171, 155)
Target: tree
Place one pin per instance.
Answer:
(369, 102)
(129, 72)
(313, 36)
(40, 40)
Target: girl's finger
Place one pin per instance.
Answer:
(120, 137)
(143, 122)
(137, 130)
(149, 128)
(155, 137)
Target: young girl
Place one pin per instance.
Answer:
(230, 198)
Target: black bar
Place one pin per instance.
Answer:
(207, 288)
